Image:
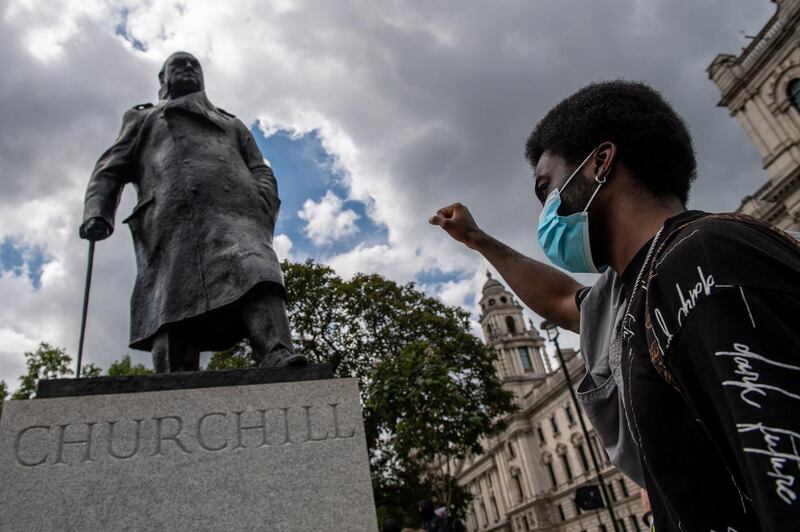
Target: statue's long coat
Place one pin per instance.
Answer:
(204, 222)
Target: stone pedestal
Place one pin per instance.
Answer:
(287, 456)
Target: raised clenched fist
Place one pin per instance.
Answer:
(458, 222)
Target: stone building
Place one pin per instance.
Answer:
(527, 477)
(761, 88)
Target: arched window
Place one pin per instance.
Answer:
(525, 358)
(793, 91)
(512, 326)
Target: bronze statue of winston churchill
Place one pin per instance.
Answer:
(202, 228)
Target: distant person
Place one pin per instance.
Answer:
(691, 335)
(428, 513)
(390, 525)
(447, 523)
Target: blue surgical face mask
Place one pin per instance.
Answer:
(565, 239)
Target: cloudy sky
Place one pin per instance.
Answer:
(372, 113)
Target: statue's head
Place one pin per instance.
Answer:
(180, 75)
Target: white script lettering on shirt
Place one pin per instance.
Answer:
(781, 447)
(663, 324)
(749, 382)
(703, 287)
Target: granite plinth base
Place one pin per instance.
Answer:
(287, 456)
(49, 388)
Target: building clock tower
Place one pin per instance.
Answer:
(522, 357)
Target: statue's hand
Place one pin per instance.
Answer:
(95, 229)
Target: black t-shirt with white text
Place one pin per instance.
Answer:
(713, 375)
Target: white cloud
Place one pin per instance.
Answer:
(395, 262)
(282, 245)
(327, 220)
(459, 292)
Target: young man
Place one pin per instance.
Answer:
(691, 334)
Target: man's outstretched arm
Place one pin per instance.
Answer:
(544, 289)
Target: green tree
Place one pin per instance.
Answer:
(47, 362)
(91, 370)
(442, 411)
(238, 356)
(126, 367)
(429, 388)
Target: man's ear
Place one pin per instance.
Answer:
(604, 159)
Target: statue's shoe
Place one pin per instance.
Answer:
(278, 361)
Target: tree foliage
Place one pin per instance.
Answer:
(437, 402)
(47, 362)
(238, 356)
(126, 367)
(429, 388)
(91, 370)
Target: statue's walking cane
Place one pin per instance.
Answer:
(85, 305)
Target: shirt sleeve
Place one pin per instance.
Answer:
(580, 295)
(723, 319)
(736, 361)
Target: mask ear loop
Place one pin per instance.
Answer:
(576, 171)
(600, 182)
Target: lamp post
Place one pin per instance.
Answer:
(551, 329)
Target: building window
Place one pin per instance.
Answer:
(525, 358)
(484, 514)
(623, 488)
(495, 511)
(540, 433)
(634, 523)
(582, 456)
(602, 455)
(621, 524)
(511, 325)
(793, 91)
(526, 522)
(561, 513)
(567, 467)
(603, 528)
(611, 492)
(511, 452)
(551, 473)
(554, 425)
(570, 417)
(518, 483)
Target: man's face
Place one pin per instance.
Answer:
(551, 173)
(182, 74)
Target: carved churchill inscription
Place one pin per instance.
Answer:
(159, 437)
